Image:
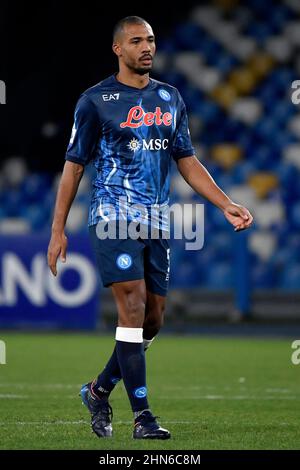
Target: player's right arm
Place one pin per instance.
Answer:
(80, 152)
(67, 190)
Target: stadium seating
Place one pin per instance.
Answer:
(234, 67)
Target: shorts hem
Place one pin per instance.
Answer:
(123, 279)
(157, 290)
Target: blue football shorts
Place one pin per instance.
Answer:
(131, 259)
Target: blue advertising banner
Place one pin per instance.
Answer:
(31, 297)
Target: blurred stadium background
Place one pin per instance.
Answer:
(234, 63)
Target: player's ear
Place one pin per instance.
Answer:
(117, 49)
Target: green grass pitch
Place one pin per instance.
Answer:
(212, 393)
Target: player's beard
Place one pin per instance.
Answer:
(143, 70)
(139, 69)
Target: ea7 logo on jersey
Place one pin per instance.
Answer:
(111, 96)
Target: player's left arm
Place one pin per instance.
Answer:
(196, 175)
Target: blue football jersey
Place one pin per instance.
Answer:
(131, 136)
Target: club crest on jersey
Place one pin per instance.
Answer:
(111, 96)
(137, 117)
(164, 94)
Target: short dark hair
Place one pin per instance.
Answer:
(119, 27)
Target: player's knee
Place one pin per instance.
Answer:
(133, 312)
(131, 300)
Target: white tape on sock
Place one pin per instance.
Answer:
(129, 335)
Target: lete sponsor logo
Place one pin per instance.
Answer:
(137, 117)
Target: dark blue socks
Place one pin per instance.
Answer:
(111, 374)
(131, 358)
(109, 377)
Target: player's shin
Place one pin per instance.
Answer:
(111, 374)
(109, 377)
(131, 357)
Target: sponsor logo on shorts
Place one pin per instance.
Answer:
(124, 261)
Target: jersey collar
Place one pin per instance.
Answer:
(132, 88)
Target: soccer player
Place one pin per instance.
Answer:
(131, 127)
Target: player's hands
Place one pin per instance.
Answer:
(57, 247)
(238, 216)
